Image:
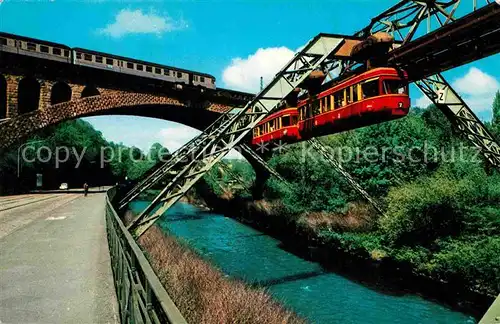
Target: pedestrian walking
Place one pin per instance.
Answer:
(85, 189)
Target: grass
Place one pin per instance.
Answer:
(358, 218)
(202, 293)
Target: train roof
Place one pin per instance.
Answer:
(83, 50)
(290, 111)
(34, 40)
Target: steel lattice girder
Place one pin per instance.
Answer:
(162, 171)
(219, 139)
(339, 168)
(438, 90)
(404, 19)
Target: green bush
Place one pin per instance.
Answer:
(474, 259)
(421, 211)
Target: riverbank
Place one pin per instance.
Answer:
(358, 256)
(202, 292)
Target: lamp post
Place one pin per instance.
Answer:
(19, 155)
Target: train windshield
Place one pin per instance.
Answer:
(395, 87)
(370, 89)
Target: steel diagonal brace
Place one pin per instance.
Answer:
(229, 135)
(439, 91)
(354, 184)
(225, 168)
(261, 161)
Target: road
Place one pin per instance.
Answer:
(55, 265)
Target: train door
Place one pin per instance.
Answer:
(191, 78)
(309, 119)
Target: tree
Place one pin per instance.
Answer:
(496, 115)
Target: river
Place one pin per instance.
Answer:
(303, 286)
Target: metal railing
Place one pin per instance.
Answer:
(141, 296)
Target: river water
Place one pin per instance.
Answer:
(318, 295)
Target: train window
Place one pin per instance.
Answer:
(166, 72)
(55, 51)
(44, 49)
(130, 65)
(348, 95)
(149, 69)
(109, 61)
(315, 108)
(370, 89)
(285, 121)
(295, 119)
(79, 56)
(139, 67)
(87, 57)
(338, 98)
(394, 87)
(31, 46)
(66, 53)
(355, 93)
(3, 41)
(157, 70)
(202, 79)
(256, 131)
(179, 74)
(98, 59)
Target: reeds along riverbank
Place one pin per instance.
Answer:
(202, 293)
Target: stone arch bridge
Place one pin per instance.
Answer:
(36, 93)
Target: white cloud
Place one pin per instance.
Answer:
(423, 102)
(476, 88)
(244, 74)
(476, 83)
(136, 22)
(176, 136)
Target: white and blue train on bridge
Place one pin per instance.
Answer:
(79, 56)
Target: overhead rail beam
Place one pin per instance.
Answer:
(467, 39)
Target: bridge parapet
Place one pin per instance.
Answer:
(141, 296)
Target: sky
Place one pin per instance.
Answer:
(236, 41)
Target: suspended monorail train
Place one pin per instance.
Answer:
(372, 97)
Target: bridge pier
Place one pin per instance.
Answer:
(12, 85)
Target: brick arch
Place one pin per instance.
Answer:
(137, 104)
(3, 97)
(90, 91)
(28, 94)
(60, 92)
